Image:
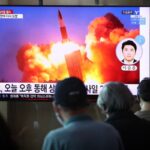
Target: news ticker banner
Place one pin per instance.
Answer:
(36, 91)
(39, 88)
(48, 88)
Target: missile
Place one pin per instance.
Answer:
(74, 63)
(63, 30)
(74, 59)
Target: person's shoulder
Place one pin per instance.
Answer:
(107, 128)
(138, 113)
(55, 133)
(51, 139)
(143, 114)
(142, 121)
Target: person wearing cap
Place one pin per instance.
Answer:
(79, 131)
(116, 101)
(143, 93)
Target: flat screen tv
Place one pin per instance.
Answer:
(40, 45)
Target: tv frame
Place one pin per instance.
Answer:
(42, 96)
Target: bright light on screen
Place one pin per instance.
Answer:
(42, 45)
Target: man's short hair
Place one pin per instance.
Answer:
(143, 89)
(115, 97)
(129, 42)
(71, 93)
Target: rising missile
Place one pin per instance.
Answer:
(63, 30)
(74, 59)
(74, 63)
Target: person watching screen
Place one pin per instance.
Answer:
(79, 131)
(143, 93)
(116, 101)
(129, 51)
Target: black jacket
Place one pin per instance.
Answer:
(134, 61)
(135, 132)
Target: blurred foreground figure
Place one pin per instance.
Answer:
(79, 131)
(6, 140)
(144, 99)
(116, 101)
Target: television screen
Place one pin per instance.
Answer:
(40, 45)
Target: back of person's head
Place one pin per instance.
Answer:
(115, 97)
(143, 89)
(71, 93)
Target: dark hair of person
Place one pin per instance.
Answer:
(115, 97)
(129, 42)
(143, 89)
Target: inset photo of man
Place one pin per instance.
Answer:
(129, 51)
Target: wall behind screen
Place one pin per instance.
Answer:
(3, 2)
(3, 109)
(79, 2)
(31, 121)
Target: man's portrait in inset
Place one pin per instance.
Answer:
(128, 51)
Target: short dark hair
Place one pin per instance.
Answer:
(115, 97)
(129, 42)
(143, 89)
(71, 93)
